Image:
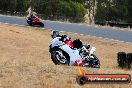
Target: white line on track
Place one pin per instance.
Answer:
(96, 26)
(80, 24)
(68, 32)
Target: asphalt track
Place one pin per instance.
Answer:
(121, 35)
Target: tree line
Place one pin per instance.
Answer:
(114, 10)
(69, 9)
(14, 5)
(105, 10)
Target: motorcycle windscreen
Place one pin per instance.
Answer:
(74, 54)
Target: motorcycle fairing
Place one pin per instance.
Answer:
(56, 42)
(74, 54)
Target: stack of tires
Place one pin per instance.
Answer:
(124, 59)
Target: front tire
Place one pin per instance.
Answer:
(58, 59)
(42, 24)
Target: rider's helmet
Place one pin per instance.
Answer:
(55, 34)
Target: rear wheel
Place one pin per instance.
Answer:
(95, 62)
(29, 23)
(59, 57)
(92, 62)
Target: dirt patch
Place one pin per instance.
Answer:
(25, 61)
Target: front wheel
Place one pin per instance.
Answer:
(59, 57)
(42, 24)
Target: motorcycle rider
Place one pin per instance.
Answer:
(62, 38)
(55, 34)
(31, 16)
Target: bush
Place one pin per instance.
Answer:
(8, 5)
(74, 11)
(14, 5)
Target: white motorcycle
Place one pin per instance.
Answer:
(68, 52)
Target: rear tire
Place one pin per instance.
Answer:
(93, 62)
(121, 59)
(96, 62)
(29, 23)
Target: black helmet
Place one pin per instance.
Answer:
(55, 34)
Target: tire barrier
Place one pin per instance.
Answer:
(114, 24)
(124, 60)
(129, 60)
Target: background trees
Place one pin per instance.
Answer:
(129, 11)
(106, 10)
(114, 10)
(8, 5)
(69, 9)
(14, 5)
